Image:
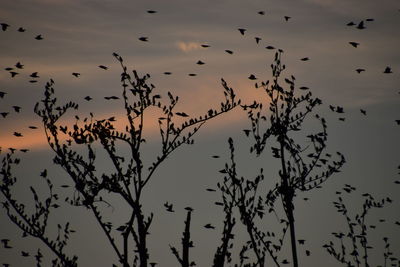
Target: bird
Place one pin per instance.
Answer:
(209, 226)
(76, 74)
(252, 77)
(4, 26)
(113, 97)
(398, 122)
(103, 67)
(34, 75)
(229, 52)
(205, 45)
(5, 243)
(215, 156)
(200, 62)
(192, 74)
(354, 44)
(17, 134)
(24, 150)
(360, 25)
(370, 19)
(270, 47)
(39, 37)
(88, 98)
(342, 119)
(261, 12)
(308, 253)
(33, 81)
(304, 59)
(339, 109)
(258, 39)
(351, 23)
(32, 127)
(4, 114)
(241, 30)
(388, 70)
(13, 74)
(19, 65)
(182, 114)
(2, 94)
(169, 207)
(24, 254)
(151, 11)
(304, 88)
(218, 203)
(144, 39)
(189, 209)
(8, 68)
(211, 190)
(285, 261)
(360, 70)
(17, 108)
(363, 111)
(20, 29)
(287, 18)
(167, 73)
(301, 241)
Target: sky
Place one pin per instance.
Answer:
(78, 36)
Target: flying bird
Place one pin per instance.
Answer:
(167, 73)
(34, 75)
(103, 67)
(200, 62)
(211, 190)
(360, 25)
(388, 70)
(39, 37)
(169, 207)
(363, 111)
(5, 243)
(88, 98)
(354, 44)
(113, 97)
(24, 254)
(252, 77)
(76, 74)
(17, 108)
(4, 26)
(258, 39)
(261, 12)
(151, 11)
(305, 59)
(192, 74)
(287, 18)
(209, 226)
(360, 70)
(13, 74)
(144, 39)
(4, 114)
(19, 65)
(205, 45)
(351, 23)
(241, 30)
(229, 52)
(32, 127)
(370, 19)
(2, 94)
(20, 29)
(17, 134)
(270, 47)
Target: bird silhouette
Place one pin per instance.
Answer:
(192, 74)
(370, 19)
(4, 26)
(19, 65)
(287, 18)
(229, 52)
(209, 226)
(200, 62)
(5, 243)
(360, 25)
(113, 97)
(20, 29)
(39, 37)
(351, 23)
(13, 74)
(34, 75)
(17, 134)
(308, 253)
(360, 70)
(258, 39)
(270, 47)
(4, 114)
(144, 39)
(261, 12)
(24, 254)
(398, 122)
(169, 207)
(32, 127)
(167, 73)
(151, 11)
(388, 70)
(88, 98)
(17, 108)
(103, 67)
(354, 44)
(205, 45)
(252, 77)
(242, 31)
(76, 74)
(363, 111)
(305, 59)
(211, 190)
(2, 94)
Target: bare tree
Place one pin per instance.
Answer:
(75, 151)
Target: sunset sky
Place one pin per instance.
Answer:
(78, 36)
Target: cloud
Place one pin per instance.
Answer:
(188, 46)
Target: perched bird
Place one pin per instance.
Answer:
(388, 70)
(209, 226)
(360, 25)
(363, 111)
(39, 37)
(287, 18)
(19, 65)
(103, 67)
(4, 26)
(229, 52)
(354, 44)
(360, 70)
(144, 39)
(76, 74)
(305, 59)
(258, 39)
(88, 98)
(241, 30)
(34, 75)
(200, 62)
(252, 77)
(20, 29)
